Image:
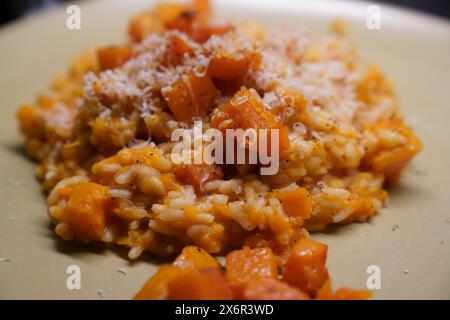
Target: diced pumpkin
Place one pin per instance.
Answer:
(246, 111)
(164, 16)
(326, 293)
(186, 21)
(269, 288)
(178, 47)
(229, 70)
(195, 258)
(350, 294)
(242, 265)
(190, 96)
(197, 174)
(201, 6)
(205, 32)
(205, 284)
(144, 24)
(86, 210)
(112, 57)
(168, 12)
(305, 267)
(231, 67)
(296, 203)
(156, 287)
(191, 19)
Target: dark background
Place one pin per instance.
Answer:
(14, 9)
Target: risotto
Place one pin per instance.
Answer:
(102, 133)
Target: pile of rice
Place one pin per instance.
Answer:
(113, 128)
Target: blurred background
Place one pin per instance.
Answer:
(14, 9)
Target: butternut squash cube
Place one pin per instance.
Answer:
(190, 96)
(243, 265)
(296, 203)
(112, 57)
(305, 267)
(205, 284)
(193, 258)
(156, 287)
(268, 288)
(86, 210)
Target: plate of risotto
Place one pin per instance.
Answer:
(256, 150)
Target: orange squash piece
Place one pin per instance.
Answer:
(145, 23)
(205, 284)
(190, 96)
(205, 32)
(246, 111)
(86, 210)
(229, 70)
(243, 265)
(168, 12)
(326, 293)
(193, 257)
(296, 203)
(142, 24)
(197, 174)
(305, 267)
(156, 287)
(269, 288)
(178, 47)
(113, 57)
(192, 20)
(187, 21)
(201, 5)
(348, 294)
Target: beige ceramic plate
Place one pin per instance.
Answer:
(409, 240)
